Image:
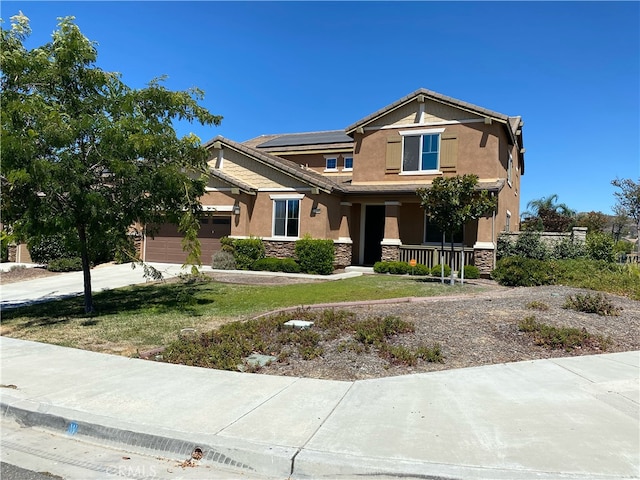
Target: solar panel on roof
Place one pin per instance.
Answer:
(313, 138)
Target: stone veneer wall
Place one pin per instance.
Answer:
(483, 259)
(390, 253)
(277, 249)
(343, 252)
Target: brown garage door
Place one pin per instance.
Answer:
(167, 245)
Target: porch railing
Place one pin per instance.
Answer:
(429, 255)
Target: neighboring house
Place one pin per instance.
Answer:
(357, 186)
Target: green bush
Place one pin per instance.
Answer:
(436, 270)
(504, 247)
(5, 239)
(471, 272)
(567, 248)
(43, 249)
(600, 246)
(223, 260)
(315, 256)
(523, 272)
(287, 265)
(592, 303)
(530, 245)
(566, 338)
(400, 268)
(65, 265)
(247, 251)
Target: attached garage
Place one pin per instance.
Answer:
(166, 246)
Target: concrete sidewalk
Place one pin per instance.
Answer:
(569, 418)
(105, 277)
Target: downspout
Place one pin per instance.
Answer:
(493, 238)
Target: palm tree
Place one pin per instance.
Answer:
(545, 214)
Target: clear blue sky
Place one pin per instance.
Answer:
(570, 69)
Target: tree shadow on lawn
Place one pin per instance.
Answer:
(157, 298)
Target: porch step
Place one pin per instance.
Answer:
(356, 268)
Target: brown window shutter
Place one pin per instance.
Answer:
(449, 154)
(394, 154)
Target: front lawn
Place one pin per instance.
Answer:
(134, 319)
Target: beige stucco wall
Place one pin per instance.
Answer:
(478, 152)
(256, 215)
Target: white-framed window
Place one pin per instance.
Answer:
(286, 215)
(421, 151)
(331, 164)
(510, 169)
(507, 225)
(348, 163)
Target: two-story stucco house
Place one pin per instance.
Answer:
(357, 186)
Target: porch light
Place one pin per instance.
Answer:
(236, 209)
(316, 210)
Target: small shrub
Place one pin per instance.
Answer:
(399, 355)
(471, 272)
(381, 267)
(315, 256)
(436, 271)
(223, 260)
(375, 330)
(523, 272)
(17, 268)
(400, 268)
(504, 247)
(287, 265)
(600, 246)
(562, 337)
(592, 303)
(65, 265)
(432, 355)
(530, 245)
(43, 249)
(246, 251)
(536, 305)
(567, 248)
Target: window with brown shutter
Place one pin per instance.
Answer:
(394, 154)
(449, 154)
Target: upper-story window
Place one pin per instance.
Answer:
(348, 163)
(510, 169)
(331, 163)
(421, 151)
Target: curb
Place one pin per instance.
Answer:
(241, 455)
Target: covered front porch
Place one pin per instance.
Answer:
(396, 231)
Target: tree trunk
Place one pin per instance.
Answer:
(442, 260)
(452, 260)
(86, 269)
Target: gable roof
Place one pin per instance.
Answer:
(280, 164)
(437, 97)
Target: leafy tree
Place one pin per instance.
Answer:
(545, 214)
(83, 152)
(628, 201)
(594, 221)
(452, 202)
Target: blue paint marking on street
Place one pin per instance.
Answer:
(72, 429)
